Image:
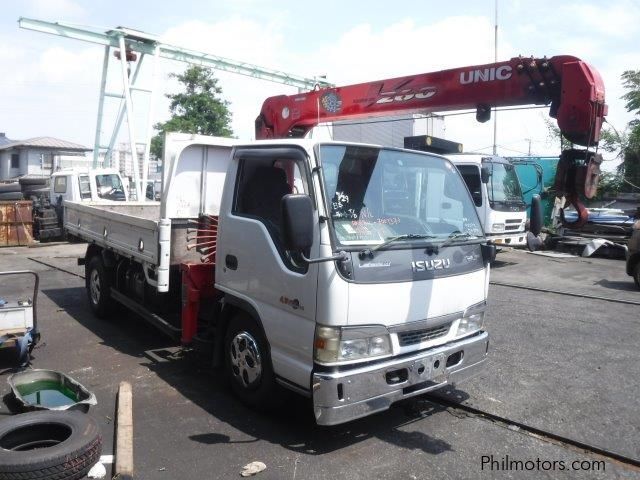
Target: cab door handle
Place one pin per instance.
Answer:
(231, 262)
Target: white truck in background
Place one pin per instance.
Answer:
(353, 274)
(495, 189)
(74, 185)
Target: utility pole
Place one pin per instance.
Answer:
(495, 59)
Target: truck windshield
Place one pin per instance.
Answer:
(377, 194)
(110, 187)
(503, 184)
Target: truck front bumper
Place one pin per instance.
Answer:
(508, 239)
(342, 396)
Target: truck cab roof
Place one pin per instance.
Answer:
(475, 158)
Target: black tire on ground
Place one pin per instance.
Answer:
(248, 363)
(35, 190)
(8, 196)
(48, 445)
(636, 274)
(98, 284)
(10, 187)
(34, 181)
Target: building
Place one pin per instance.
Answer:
(39, 156)
(120, 158)
(389, 131)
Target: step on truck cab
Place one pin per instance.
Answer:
(495, 189)
(353, 274)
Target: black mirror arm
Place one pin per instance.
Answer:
(342, 255)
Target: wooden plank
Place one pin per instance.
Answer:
(124, 433)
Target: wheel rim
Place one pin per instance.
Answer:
(246, 362)
(94, 287)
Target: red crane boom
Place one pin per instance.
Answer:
(573, 89)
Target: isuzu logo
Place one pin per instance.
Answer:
(485, 75)
(428, 265)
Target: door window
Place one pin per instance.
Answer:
(261, 184)
(85, 187)
(60, 185)
(471, 176)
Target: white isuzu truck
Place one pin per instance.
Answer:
(353, 274)
(495, 189)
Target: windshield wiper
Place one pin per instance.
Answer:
(458, 236)
(407, 236)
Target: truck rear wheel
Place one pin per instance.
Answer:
(98, 287)
(248, 363)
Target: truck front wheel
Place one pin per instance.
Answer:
(98, 287)
(248, 363)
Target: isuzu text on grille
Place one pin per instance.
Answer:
(426, 265)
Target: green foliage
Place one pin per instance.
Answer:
(630, 167)
(198, 109)
(610, 185)
(631, 82)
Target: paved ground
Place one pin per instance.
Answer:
(561, 364)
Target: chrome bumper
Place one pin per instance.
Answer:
(344, 396)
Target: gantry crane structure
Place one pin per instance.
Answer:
(133, 46)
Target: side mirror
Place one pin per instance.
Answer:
(485, 173)
(489, 252)
(297, 222)
(535, 226)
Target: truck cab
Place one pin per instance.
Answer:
(87, 185)
(495, 189)
(386, 298)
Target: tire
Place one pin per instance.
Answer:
(48, 445)
(10, 187)
(636, 274)
(248, 363)
(98, 286)
(8, 196)
(34, 181)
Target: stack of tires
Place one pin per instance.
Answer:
(34, 187)
(10, 191)
(46, 223)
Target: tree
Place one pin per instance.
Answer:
(198, 109)
(630, 168)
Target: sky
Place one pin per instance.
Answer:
(50, 85)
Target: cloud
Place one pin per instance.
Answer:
(609, 19)
(56, 9)
(66, 80)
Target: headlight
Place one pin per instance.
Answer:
(497, 227)
(342, 344)
(470, 324)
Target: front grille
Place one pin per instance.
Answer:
(514, 220)
(417, 336)
(512, 227)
